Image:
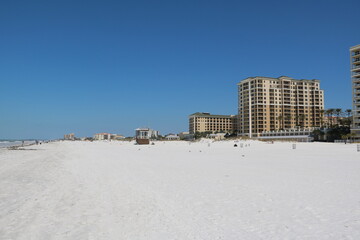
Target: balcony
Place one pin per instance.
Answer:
(355, 53)
(356, 80)
(357, 120)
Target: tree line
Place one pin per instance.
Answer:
(337, 126)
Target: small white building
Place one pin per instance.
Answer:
(117, 136)
(108, 136)
(172, 137)
(186, 136)
(70, 136)
(102, 136)
(146, 133)
(217, 136)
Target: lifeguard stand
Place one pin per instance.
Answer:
(142, 135)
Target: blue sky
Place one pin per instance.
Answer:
(112, 66)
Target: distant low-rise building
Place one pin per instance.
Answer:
(206, 122)
(217, 136)
(172, 137)
(299, 134)
(108, 136)
(186, 136)
(117, 137)
(102, 136)
(70, 136)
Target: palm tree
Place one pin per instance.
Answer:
(338, 112)
(330, 113)
(302, 120)
(296, 118)
(280, 119)
(287, 119)
(348, 120)
(318, 134)
(348, 112)
(322, 113)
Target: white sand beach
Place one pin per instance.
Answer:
(173, 190)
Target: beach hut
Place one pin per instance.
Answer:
(143, 135)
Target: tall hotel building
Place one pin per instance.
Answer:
(355, 77)
(271, 104)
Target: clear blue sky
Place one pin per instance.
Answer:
(112, 66)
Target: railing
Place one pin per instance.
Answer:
(345, 141)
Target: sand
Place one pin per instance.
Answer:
(173, 190)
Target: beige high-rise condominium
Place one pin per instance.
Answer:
(268, 104)
(355, 77)
(205, 122)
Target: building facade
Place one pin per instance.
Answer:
(186, 136)
(108, 136)
(355, 78)
(102, 136)
(271, 104)
(146, 133)
(172, 137)
(205, 122)
(70, 136)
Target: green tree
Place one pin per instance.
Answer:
(318, 135)
(322, 114)
(199, 135)
(330, 113)
(348, 113)
(337, 133)
(301, 119)
(280, 118)
(348, 120)
(288, 119)
(338, 113)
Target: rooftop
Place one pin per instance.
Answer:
(355, 47)
(142, 129)
(206, 114)
(279, 78)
